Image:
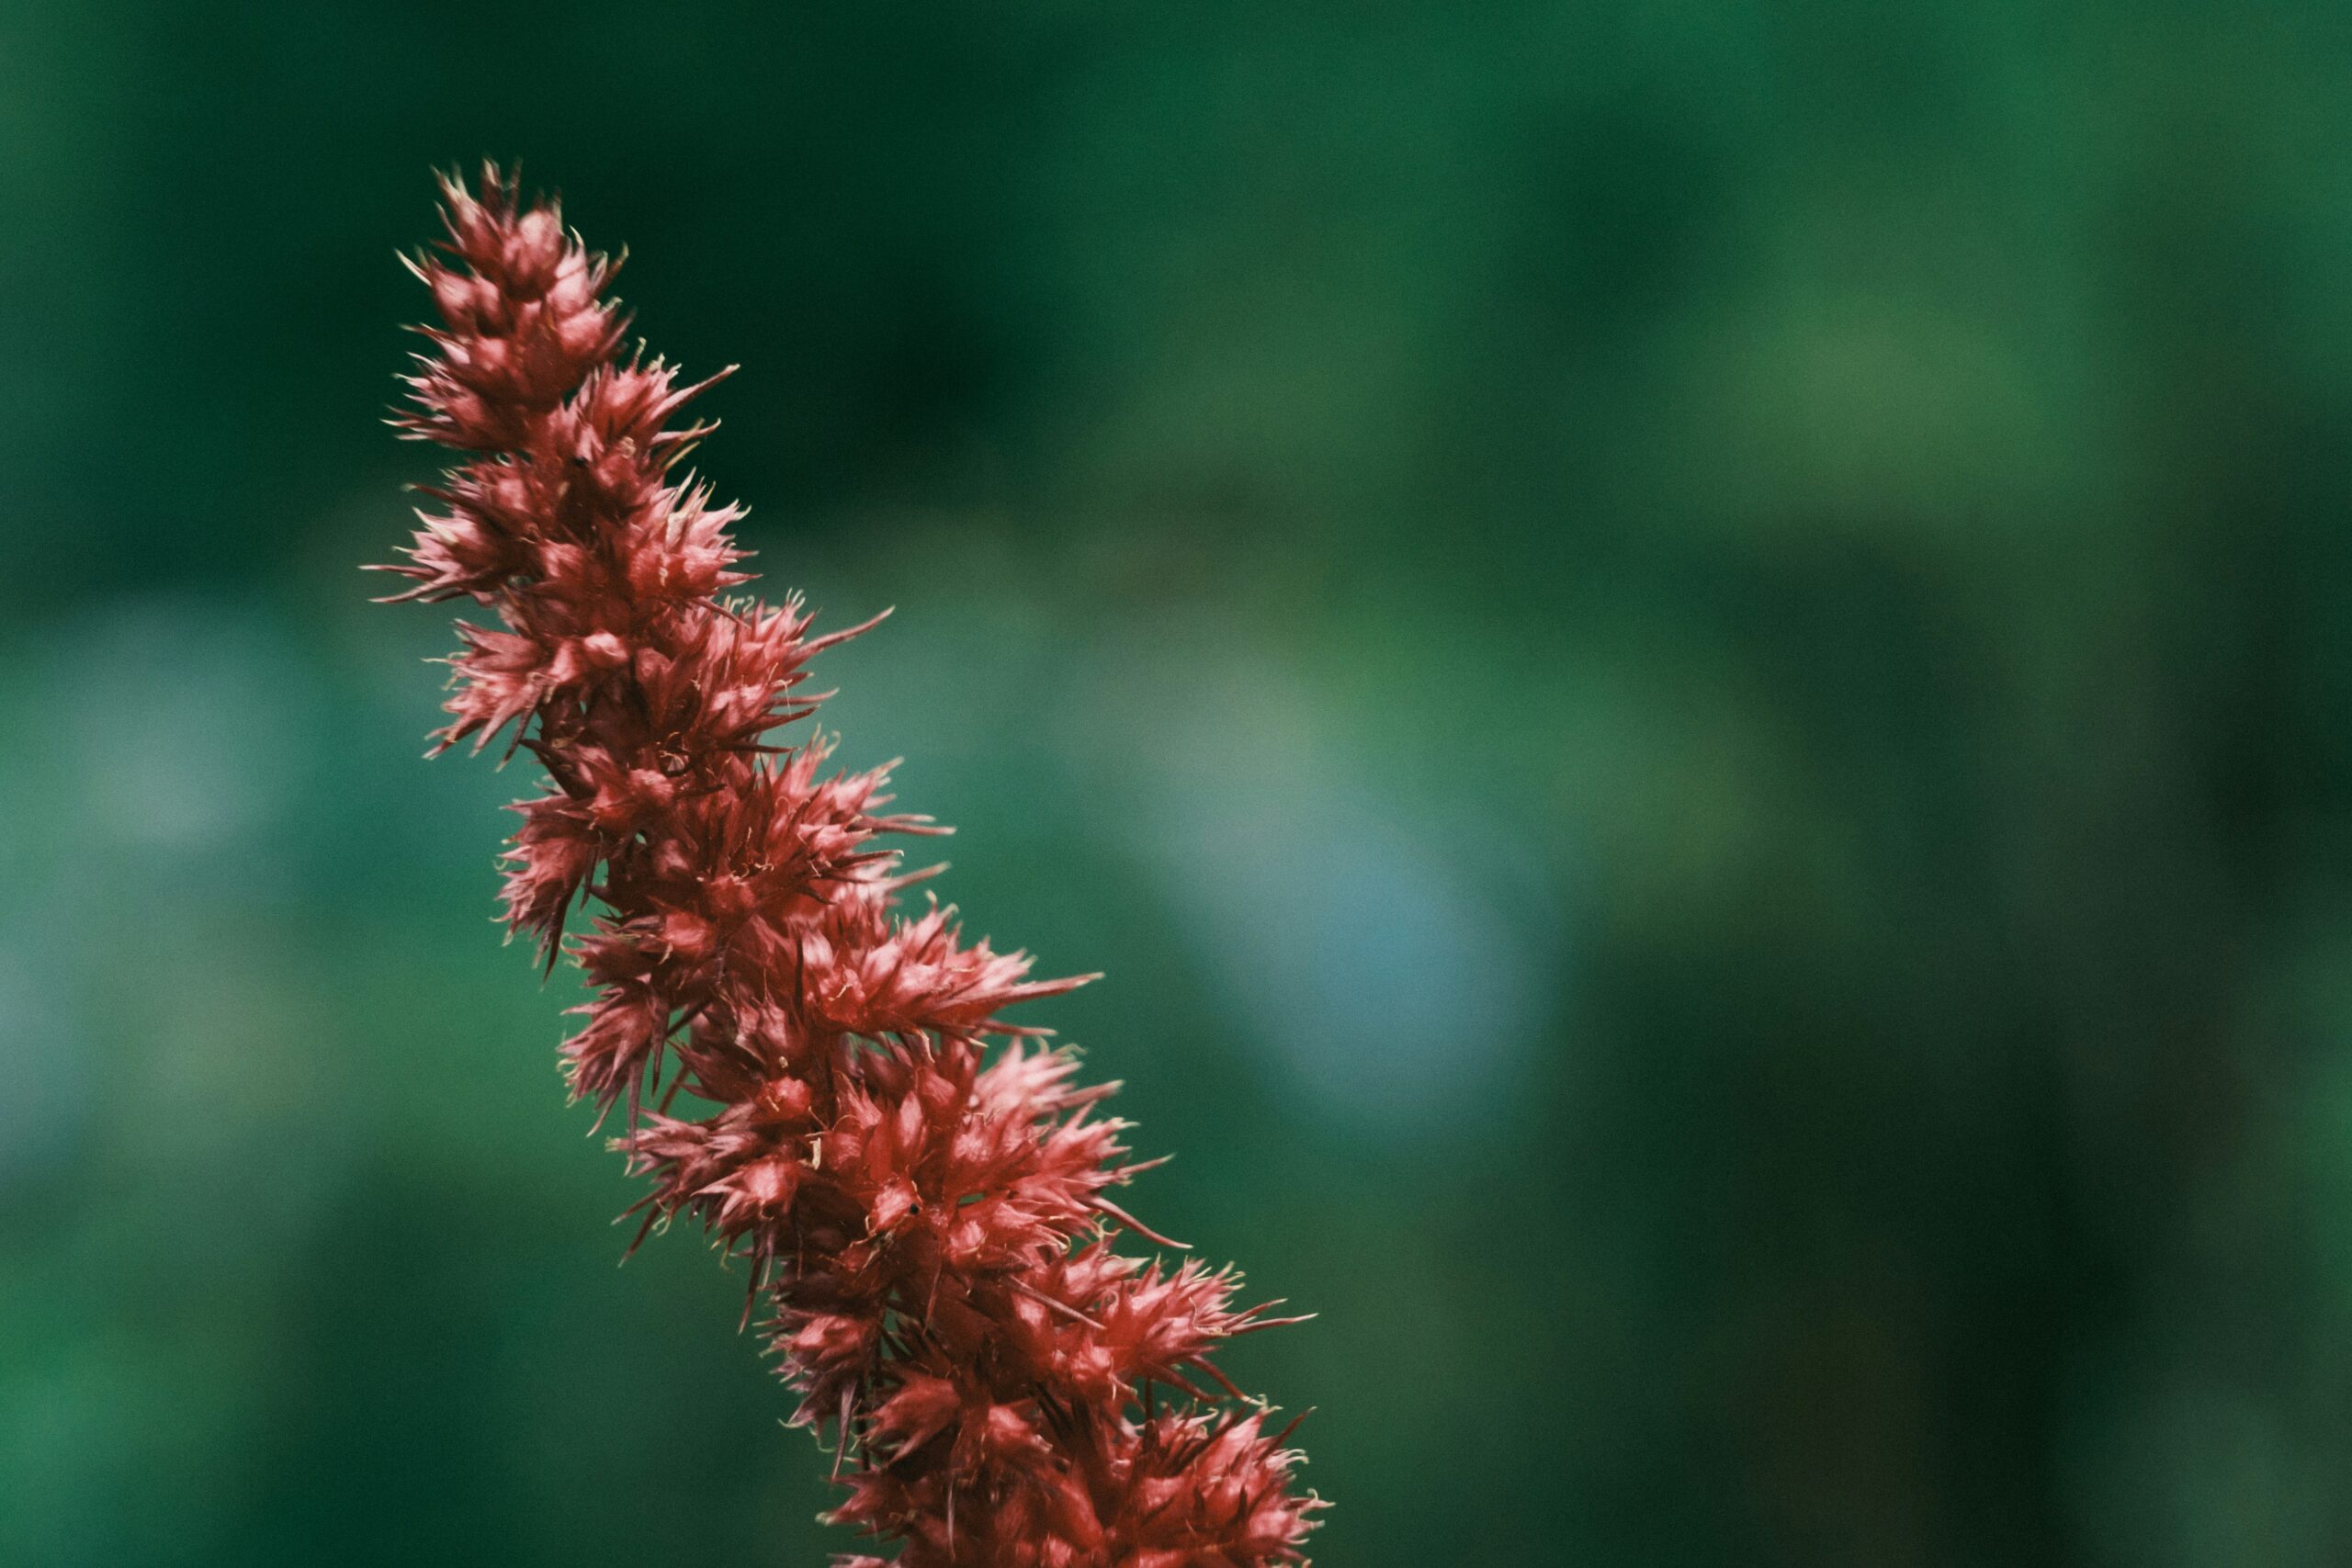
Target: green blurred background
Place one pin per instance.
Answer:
(1691, 662)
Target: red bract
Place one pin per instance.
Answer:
(922, 1215)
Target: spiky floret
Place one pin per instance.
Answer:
(923, 1214)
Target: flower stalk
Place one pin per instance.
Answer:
(822, 1077)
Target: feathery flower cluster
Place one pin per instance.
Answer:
(924, 1216)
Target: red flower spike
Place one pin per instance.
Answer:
(922, 1214)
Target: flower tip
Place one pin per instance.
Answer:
(1137, 1225)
